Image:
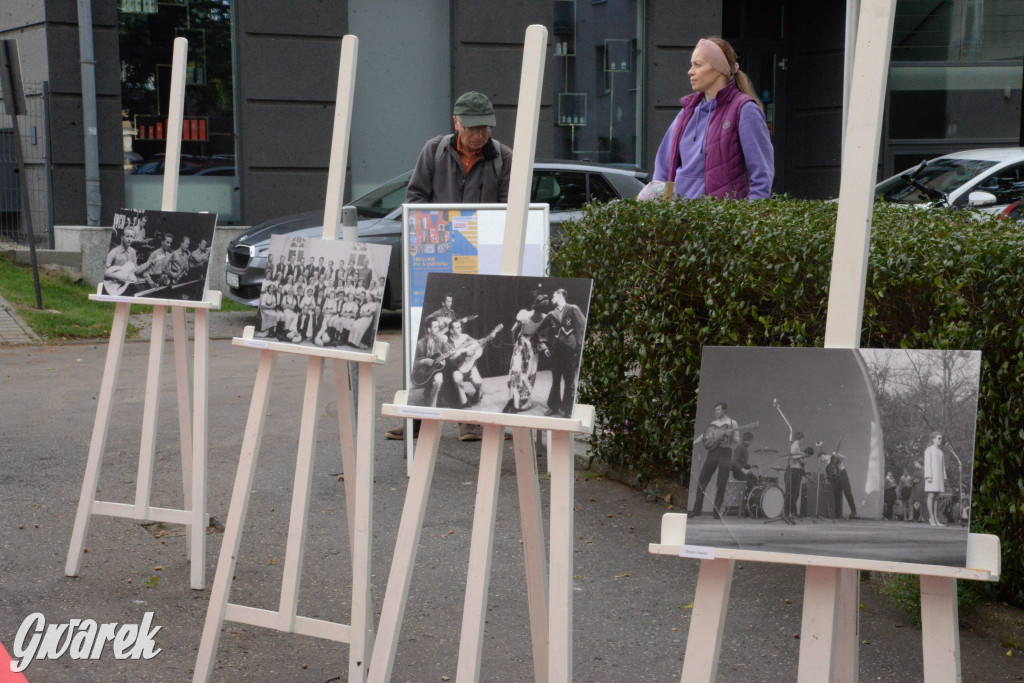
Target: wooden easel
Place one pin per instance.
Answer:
(192, 429)
(829, 643)
(356, 452)
(550, 606)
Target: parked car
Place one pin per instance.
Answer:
(989, 180)
(564, 185)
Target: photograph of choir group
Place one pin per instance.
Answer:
(864, 453)
(498, 343)
(325, 293)
(159, 254)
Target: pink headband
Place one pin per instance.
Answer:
(716, 58)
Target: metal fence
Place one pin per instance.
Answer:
(34, 126)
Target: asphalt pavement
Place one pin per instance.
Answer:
(631, 609)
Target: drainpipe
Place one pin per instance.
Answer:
(92, 153)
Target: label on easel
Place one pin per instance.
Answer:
(256, 343)
(697, 552)
(420, 411)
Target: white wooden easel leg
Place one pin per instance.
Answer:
(200, 409)
(150, 414)
(300, 496)
(179, 347)
(563, 474)
(818, 629)
(707, 620)
(99, 438)
(251, 441)
(478, 577)
(533, 547)
(393, 609)
(347, 435)
(940, 631)
(362, 538)
(848, 629)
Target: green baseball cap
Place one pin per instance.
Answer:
(474, 109)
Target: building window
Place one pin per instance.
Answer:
(147, 30)
(955, 78)
(596, 55)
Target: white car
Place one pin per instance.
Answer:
(989, 180)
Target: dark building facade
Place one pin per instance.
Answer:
(262, 79)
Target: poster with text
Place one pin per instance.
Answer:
(861, 453)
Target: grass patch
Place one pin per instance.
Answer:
(67, 312)
(231, 305)
(904, 591)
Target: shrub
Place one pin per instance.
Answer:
(672, 277)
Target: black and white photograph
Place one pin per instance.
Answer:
(159, 254)
(503, 344)
(325, 293)
(860, 453)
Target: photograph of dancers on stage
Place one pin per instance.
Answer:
(864, 453)
(325, 293)
(500, 344)
(159, 254)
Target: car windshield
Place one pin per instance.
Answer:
(380, 201)
(945, 175)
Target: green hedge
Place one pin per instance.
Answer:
(671, 277)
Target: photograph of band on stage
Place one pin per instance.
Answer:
(159, 254)
(500, 344)
(864, 453)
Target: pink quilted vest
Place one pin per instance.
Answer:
(725, 173)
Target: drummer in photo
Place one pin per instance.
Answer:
(721, 436)
(741, 468)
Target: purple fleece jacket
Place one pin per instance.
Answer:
(754, 141)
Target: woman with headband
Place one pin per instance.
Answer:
(719, 143)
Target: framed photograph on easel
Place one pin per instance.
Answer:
(494, 343)
(860, 453)
(325, 293)
(159, 254)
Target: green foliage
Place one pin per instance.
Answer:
(672, 277)
(904, 591)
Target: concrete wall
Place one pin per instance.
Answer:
(286, 61)
(403, 83)
(673, 29)
(47, 34)
(814, 117)
(67, 139)
(487, 56)
(93, 243)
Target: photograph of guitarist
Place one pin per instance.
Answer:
(433, 345)
(719, 439)
(741, 468)
(463, 364)
(122, 262)
(835, 470)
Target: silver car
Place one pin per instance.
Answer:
(564, 185)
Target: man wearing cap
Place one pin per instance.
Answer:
(468, 167)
